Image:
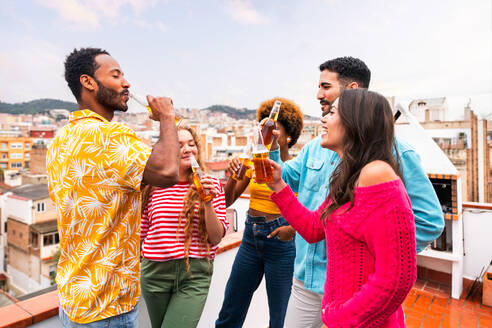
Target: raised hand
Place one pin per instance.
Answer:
(277, 183)
(161, 107)
(208, 185)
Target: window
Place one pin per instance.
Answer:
(34, 240)
(20, 235)
(3, 165)
(4, 145)
(16, 165)
(27, 145)
(16, 145)
(40, 207)
(51, 239)
(27, 155)
(13, 232)
(53, 270)
(5, 156)
(48, 240)
(16, 156)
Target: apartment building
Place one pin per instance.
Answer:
(32, 243)
(15, 152)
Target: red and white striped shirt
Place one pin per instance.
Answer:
(162, 240)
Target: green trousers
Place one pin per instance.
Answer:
(174, 296)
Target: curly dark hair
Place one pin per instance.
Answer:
(80, 62)
(349, 69)
(290, 116)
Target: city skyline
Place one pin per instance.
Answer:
(239, 52)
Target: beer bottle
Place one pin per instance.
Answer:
(263, 169)
(197, 175)
(245, 159)
(139, 100)
(270, 125)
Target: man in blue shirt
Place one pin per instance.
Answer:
(309, 175)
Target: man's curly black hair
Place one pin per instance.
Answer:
(349, 69)
(290, 116)
(81, 62)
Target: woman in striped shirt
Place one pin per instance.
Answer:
(179, 234)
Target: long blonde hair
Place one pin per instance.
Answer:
(191, 201)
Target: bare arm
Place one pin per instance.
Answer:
(215, 229)
(162, 166)
(233, 189)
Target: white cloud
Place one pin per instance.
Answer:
(243, 12)
(161, 27)
(74, 12)
(91, 14)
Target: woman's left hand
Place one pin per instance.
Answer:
(208, 185)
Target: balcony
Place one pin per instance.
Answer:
(428, 305)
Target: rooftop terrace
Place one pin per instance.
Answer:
(429, 304)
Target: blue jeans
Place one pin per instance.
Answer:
(256, 256)
(124, 320)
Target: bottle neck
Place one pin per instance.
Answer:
(273, 115)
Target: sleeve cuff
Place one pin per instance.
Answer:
(282, 195)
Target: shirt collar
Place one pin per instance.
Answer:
(85, 113)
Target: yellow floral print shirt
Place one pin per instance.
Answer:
(95, 168)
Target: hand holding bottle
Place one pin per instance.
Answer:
(277, 183)
(209, 188)
(233, 166)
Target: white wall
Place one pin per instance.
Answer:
(21, 209)
(22, 281)
(477, 232)
(478, 242)
(48, 251)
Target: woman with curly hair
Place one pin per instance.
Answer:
(179, 234)
(267, 247)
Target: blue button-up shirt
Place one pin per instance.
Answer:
(309, 175)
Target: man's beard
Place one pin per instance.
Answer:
(110, 98)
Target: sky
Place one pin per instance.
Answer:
(242, 52)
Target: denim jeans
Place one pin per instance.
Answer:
(258, 256)
(124, 320)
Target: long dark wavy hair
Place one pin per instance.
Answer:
(368, 122)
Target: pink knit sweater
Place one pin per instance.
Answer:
(370, 250)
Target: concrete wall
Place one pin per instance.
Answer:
(48, 214)
(478, 244)
(19, 208)
(477, 228)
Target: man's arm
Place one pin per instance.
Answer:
(162, 166)
(429, 220)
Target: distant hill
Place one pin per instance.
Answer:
(36, 106)
(235, 113)
(42, 105)
(242, 113)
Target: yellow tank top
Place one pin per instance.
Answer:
(259, 198)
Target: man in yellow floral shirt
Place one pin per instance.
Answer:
(96, 169)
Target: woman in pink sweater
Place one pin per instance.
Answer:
(367, 219)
